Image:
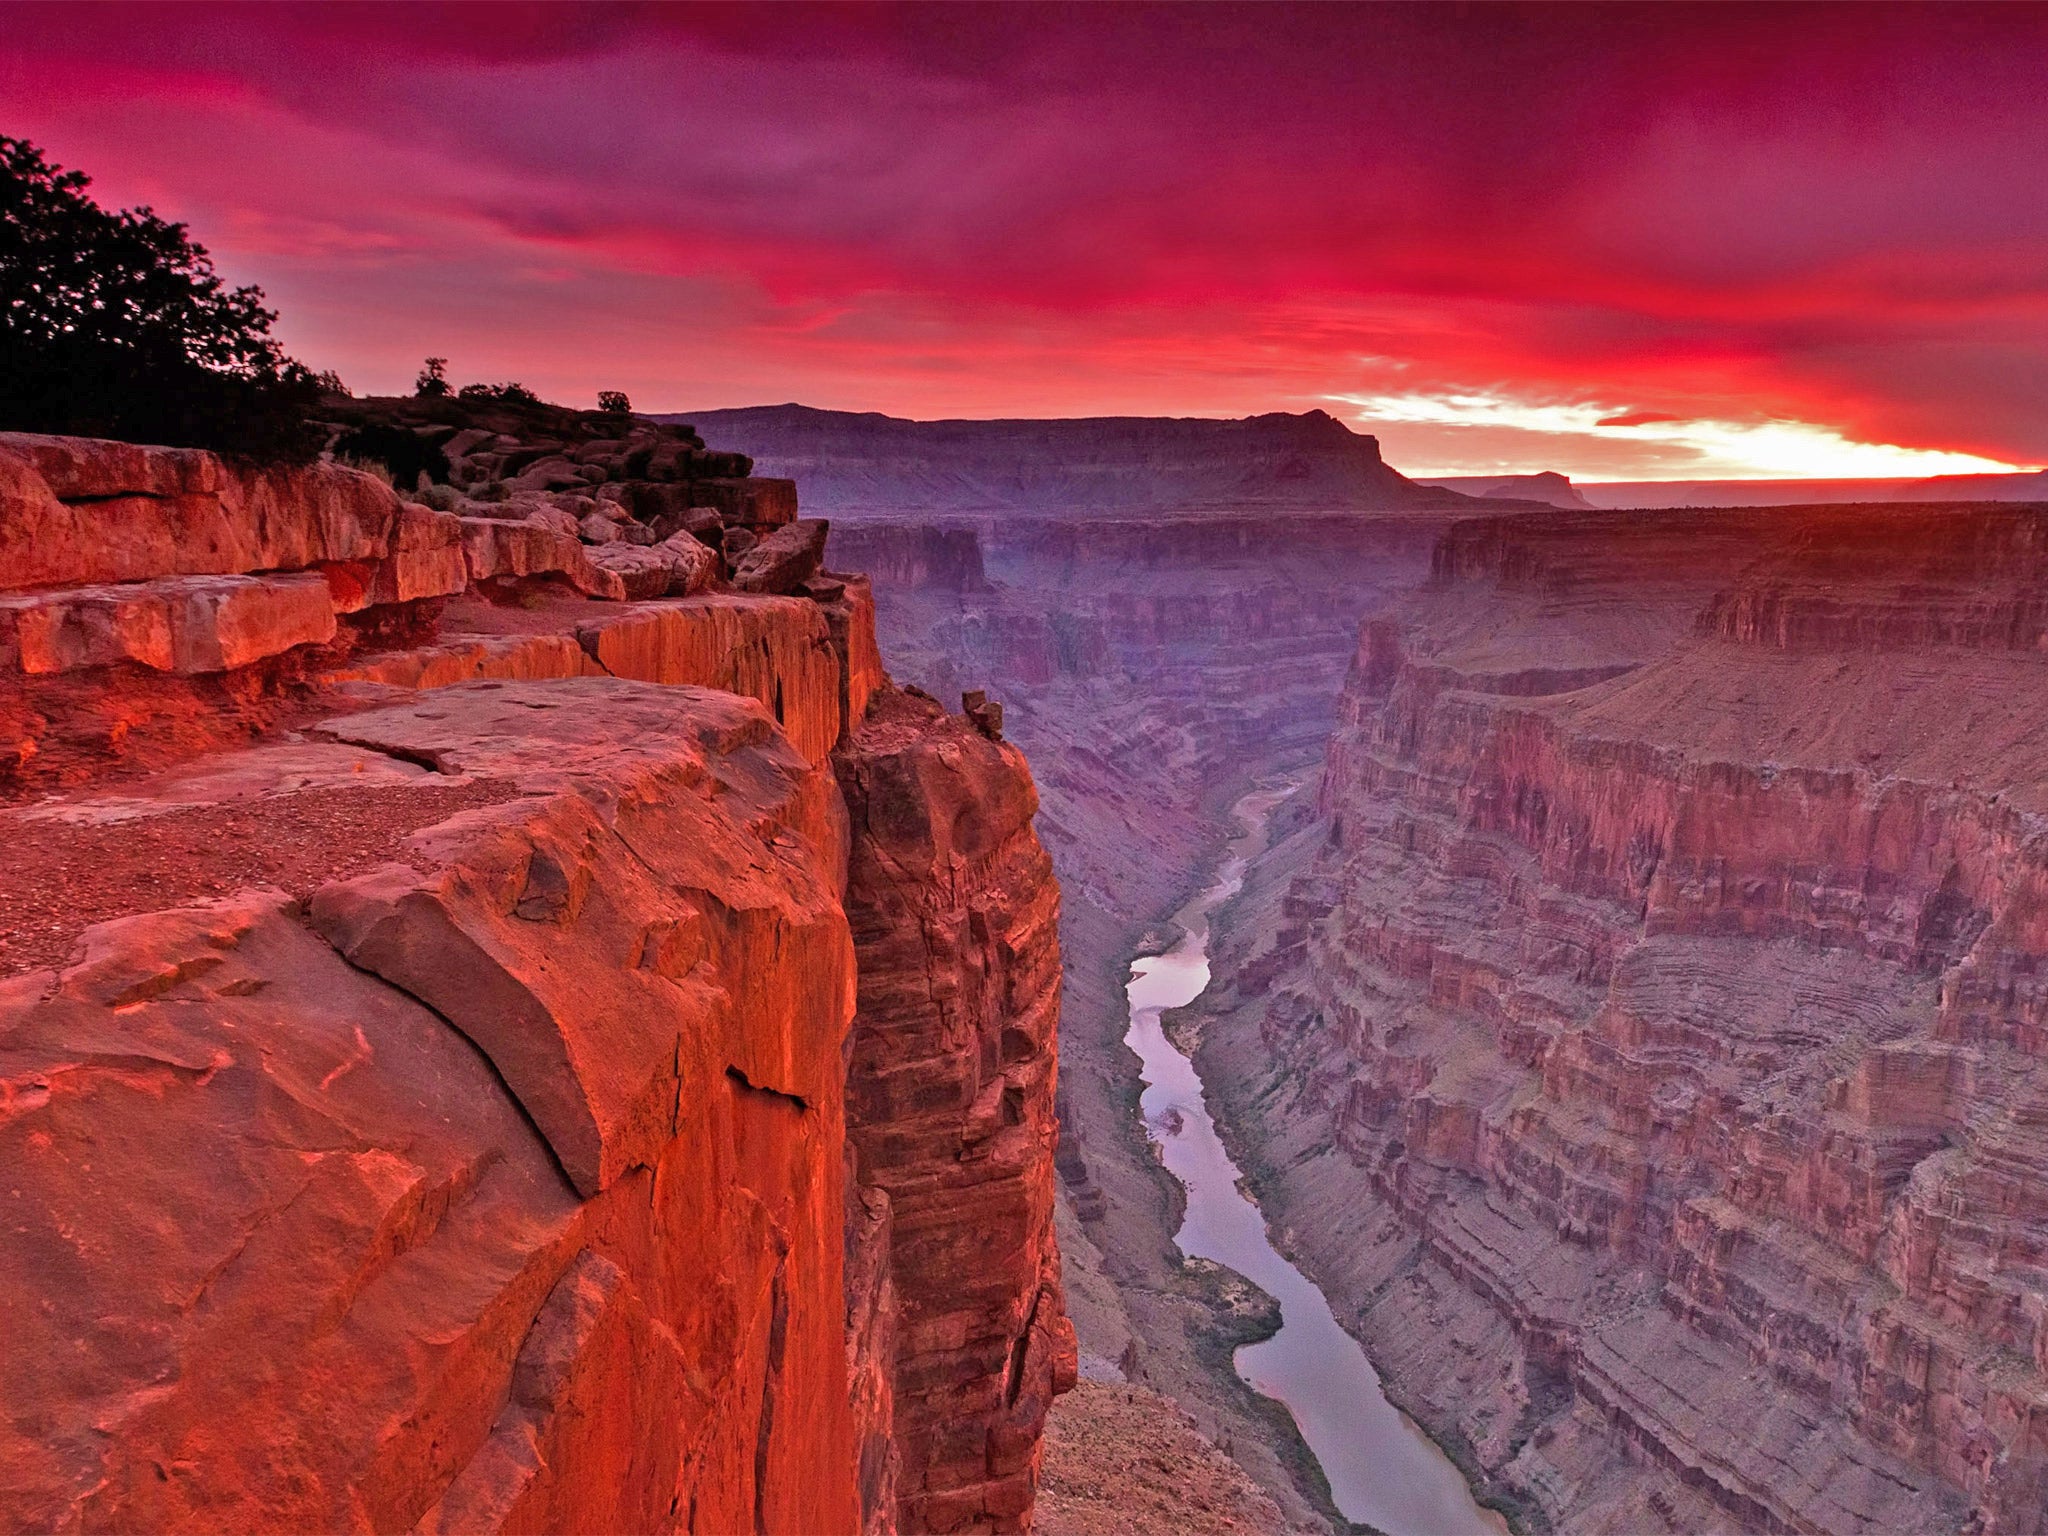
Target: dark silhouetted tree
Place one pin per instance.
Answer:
(114, 324)
(613, 402)
(433, 379)
(497, 394)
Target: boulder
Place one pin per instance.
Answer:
(676, 567)
(553, 473)
(644, 573)
(703, 522)
(596, 528)
(498, 547)
(696, 563)
(557, 519)
(783, 561)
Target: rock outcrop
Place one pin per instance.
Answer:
(955, 912)
(1646, 1052)
(1547, 486)
(454, 1043)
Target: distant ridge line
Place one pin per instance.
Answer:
(848, 461)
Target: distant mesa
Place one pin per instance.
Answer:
(1546, 486)
(864, 462)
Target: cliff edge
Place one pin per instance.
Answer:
(474, 1054)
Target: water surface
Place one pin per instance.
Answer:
(1382, 1469)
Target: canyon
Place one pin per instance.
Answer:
(509, 1020)
(1154, 667)
(1636, 1031)
(512, 1017)
(1632, 1026)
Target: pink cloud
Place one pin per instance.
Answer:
(1717, 212)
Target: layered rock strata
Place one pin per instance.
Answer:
(447, 1061)
(955, 910)
(1644, 1051)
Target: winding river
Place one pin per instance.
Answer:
(1383, 1471)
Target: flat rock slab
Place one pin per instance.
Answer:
(190, 625)
(660, 907)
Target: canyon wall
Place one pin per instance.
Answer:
(504, 1026)
(1151, 667)
(1641, 1040)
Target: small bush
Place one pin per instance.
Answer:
(613, 402)
(433, 378)
(497, 394)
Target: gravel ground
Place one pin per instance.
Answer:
(58, 879)
(1122, 1461)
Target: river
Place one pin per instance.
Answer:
(1383, 1471)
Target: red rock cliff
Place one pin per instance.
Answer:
(451, 1059)
(955, 913)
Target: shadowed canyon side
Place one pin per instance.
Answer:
(508, 1020)
(1640, 1037)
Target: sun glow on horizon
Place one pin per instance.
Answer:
(1771, 449)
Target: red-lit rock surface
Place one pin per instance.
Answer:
(1122, 1461)
(424, 1058)
(954, 1062)
(1643, 1047)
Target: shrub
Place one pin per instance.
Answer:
(114, 324)
(613, 402)
(497, 394)
(405, 455)
(433, 378)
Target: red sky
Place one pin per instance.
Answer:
(1758, 237)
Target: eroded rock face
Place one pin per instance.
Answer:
(81, 510)
(1657, 998)
(353, 1287)
(950, 1102)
